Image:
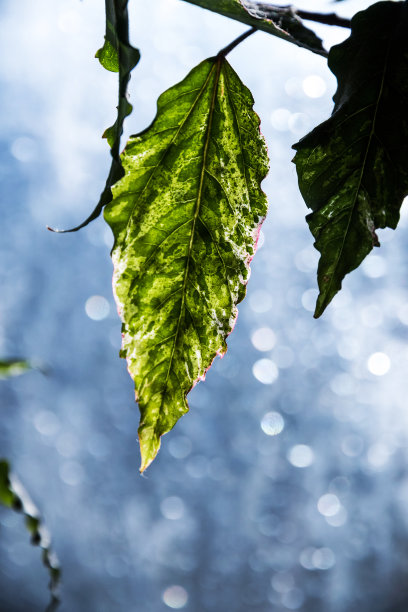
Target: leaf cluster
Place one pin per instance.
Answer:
(184, 200)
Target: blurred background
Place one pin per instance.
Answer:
(286, 485)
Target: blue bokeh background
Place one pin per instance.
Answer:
(286, 485)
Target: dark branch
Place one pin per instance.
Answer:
(331, 19)
(328, 19)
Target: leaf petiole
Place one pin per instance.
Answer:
(224, 52)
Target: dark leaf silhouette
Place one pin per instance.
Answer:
(353, 169)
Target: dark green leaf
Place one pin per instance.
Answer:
(185, 218)
(116, 55)
(13, 367)
(279, 21)
(13, 495)
(353, 169)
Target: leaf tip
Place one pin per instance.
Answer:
(149, 446)
(321, 305)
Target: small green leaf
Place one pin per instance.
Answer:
(278, 21)
(108, 56)
(13, 495)
(185, 218)
(7, 496)
(353, 169)
(13, 367)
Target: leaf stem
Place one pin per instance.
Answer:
(224, 52)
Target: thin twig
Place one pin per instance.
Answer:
(328, 19)
(224, 52)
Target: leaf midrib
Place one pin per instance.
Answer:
(158, 165)
(218, 65)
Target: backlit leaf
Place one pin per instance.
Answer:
(353, 169)
(278, 21)
(185, 218)
(13, 495)
(108, 56)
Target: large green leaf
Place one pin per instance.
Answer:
(185, 218)
(13, 495)
(279, 21)
(353, 169)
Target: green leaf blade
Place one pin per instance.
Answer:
(185, 219)
(352, 169)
